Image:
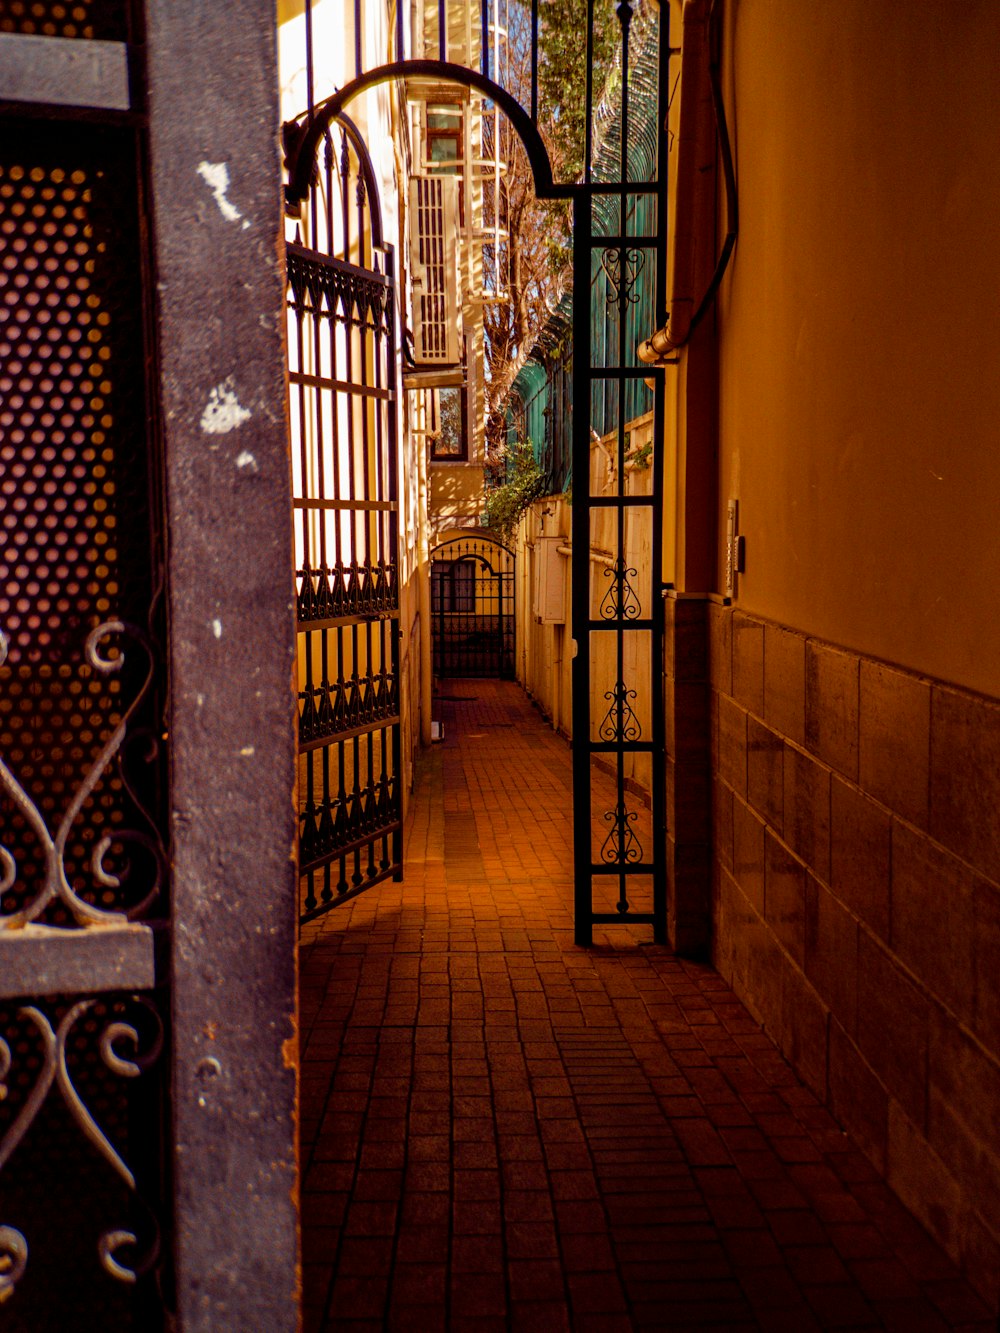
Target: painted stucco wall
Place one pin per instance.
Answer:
(544, 649)
(855, 765)
(859, 341)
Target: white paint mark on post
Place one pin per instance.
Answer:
(247, 751)
(223, 411)
(245, 461)
(216, 177)
(217, 628)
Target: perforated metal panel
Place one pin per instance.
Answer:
(93, 19)
(80, 723)
(75, 550)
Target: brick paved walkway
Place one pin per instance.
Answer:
(501, 1131)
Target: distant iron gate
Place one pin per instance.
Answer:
(472, 609)
(342, 366)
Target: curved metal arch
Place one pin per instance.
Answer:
(474, 555)
(331, 109)
(295, 160)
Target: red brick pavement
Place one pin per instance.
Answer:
(502, 1131)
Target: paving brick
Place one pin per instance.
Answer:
(609, 1139)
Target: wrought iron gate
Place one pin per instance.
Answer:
(619, 239)
(82, 856)
(342, 367)
(472, 608)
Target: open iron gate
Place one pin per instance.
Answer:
(472, 608)
(343, 419)
(147, 1005)
(619, 242)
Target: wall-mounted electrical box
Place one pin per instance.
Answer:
(550, 581)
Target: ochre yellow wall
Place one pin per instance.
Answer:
(860, 336)
(456, 498)
(544, 651)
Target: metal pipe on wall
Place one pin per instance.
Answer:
(693, 212)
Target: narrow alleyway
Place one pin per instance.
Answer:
(502, 1131)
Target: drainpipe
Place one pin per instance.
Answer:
(701, 123)
(424, 581)
(400, 142)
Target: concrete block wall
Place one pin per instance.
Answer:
(856, 904)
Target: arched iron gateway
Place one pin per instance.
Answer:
(472, 609)
(619, 231)
(342, 399)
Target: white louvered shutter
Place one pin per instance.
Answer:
(434, 265)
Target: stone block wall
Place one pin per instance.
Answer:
(855, 904)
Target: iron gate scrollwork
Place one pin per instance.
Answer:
(472, 609)
(619, 294)
(83, 862)
(342, 365)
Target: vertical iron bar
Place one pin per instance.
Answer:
(621, 405)
(588, 124)
(442, 30)
(392, 494)
(345, 202)
(534, 62)
(300, 392)
(310, 71)
(582, 854)
(659, 792)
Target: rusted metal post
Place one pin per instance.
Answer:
(216, 214)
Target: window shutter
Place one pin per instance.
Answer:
(434, 266)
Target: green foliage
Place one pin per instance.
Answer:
(524, 482)
(562, 85)
(641, 457)
(562, 73)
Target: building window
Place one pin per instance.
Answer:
(456, 585)
(451, 441)
(444, 138)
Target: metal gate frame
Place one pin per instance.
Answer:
(634, 603)
(492, 560)
(213, 950)
(343, 416)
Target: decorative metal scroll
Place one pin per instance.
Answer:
(620, 601)
(55, 885)
(620, 722)
(146, 1042)
(352, 590)
(332, 707)
(339, 824)
(621, 846)
(623, 289)
(326, 284)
